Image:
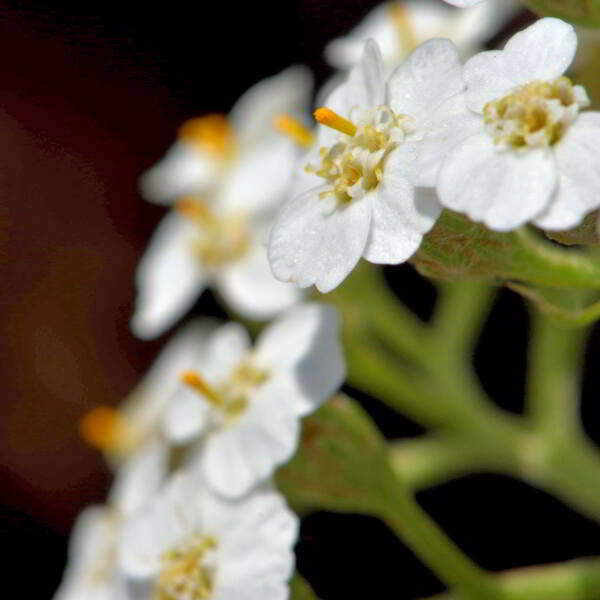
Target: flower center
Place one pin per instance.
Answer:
(536, 114)
(210, 133)
(230, 396)
(355, 164)
(109, 430)
(184, 574)
(220, 240)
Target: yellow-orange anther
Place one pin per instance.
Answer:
(294, 129)
(192, 208)
(327, 117)
(212, 133)
(194, 380)
(104, 428)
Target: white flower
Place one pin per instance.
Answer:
(399, 27)
(241, 407)
(92, 572)
(191, 545)
(464, 3)
(381, 141)
(534, 156)
(224, 208)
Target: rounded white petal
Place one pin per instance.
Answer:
(542, 51)
(260, 177)
(401, 215)
(502, 188)
(256, 539)
(287, 92)
(314, 241)
(224, 350)
(169, 279)
(578, 190)
(419, 161)
(302, 351)
(183, 171)
(430, 75)
(366, 81)
(186, 417)
(250, 289)
(236, 458)
(169, 518)
(140, 477)
(463, 3)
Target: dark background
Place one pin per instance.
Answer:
(91, 94)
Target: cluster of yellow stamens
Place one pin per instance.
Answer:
(209, 133)
(355, 164)
(220, 240)
(536, 114)
(230, 396)
(184, 574)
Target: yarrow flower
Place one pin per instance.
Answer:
(400, 26)
(534, 157)
(377, 142)
(226, 177)
(192, 545)
(240, 407)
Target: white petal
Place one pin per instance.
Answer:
(401, 215)
(260, 177)
(169, 279)
(463, 3)
(287, 92)
(578, 162)
(303, 347)
(225, 349)
(256, 539)
(171, 517)
(138, 480)
(250, 289)
(429, 76)
(186, 417)
(183, 171)
(314, 241)
(419, 161)
(502, 188)
(366, 81)
(236, 458)
(542, 51)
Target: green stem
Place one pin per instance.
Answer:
(573, 580)
(425, 538)
(553, 384)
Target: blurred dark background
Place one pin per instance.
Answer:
(91, 94)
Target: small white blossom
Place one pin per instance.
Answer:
(357, 196)
(240, 407)
(192, 545)
(400, 26)
(534, 156)
(224, 206)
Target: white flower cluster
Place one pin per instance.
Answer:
(259, 202)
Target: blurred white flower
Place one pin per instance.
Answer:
(226, 177)
(534, 156)
(464, 3)
(400, 26)
(379, 141)
(240, 407)
(190, 544)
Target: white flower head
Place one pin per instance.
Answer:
(400, 26)
(240, 407)
(378, 142)
(192, 545)
(533, 157)
(215, 237)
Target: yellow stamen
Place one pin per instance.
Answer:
(401, 19)
(104, 428)
(212, 133)
(194, 380)
(294, 129)
(327, 117)
(194, 209)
